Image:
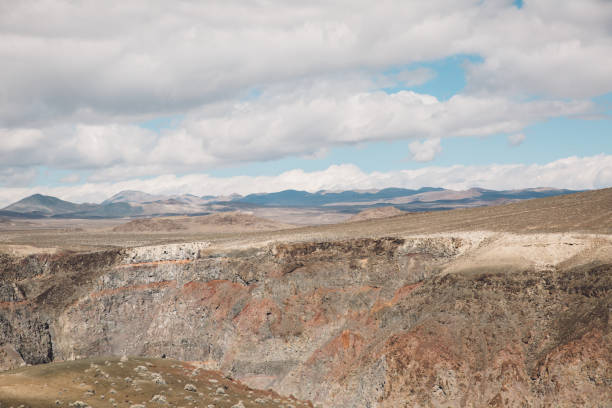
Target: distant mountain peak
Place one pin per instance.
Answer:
(38, 199)
(132, 196)
(128, 203)
(43, 204)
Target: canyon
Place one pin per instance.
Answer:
(499, 306)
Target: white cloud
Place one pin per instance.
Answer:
(258, 82)
(280, 123)
(555, 48)
(16, 176)
(516, 139)
(572, 173)
(426, 150)
(71, 179)
(14, 140)
(104, 60)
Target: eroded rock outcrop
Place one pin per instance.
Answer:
(402, 321)
(34, 291)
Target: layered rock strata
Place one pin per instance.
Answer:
(442, 320)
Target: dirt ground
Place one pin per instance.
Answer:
(588, 212)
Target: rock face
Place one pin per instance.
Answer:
(10, 358)
(441, 320)
(34, 290)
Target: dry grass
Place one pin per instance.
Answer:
(101, 382)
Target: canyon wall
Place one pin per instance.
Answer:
(455, 320)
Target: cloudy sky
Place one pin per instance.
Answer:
(218, 97)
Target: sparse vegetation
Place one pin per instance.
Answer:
(100, 382)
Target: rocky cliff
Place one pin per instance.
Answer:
(470, 319)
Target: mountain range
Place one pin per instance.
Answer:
(131, 203)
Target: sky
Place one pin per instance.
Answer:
(221, 97)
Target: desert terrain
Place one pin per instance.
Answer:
(502, 306)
